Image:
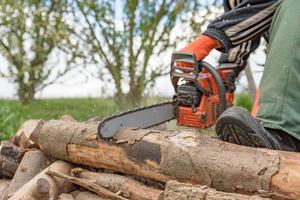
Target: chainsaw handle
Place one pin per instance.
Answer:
(188, 57)
(219, 81)
(197, 69)
(186, 73)
(183, 57)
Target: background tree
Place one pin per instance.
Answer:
(31, 31)
(122, 42)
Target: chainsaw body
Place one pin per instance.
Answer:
(202, 92)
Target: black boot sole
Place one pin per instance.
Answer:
(237, 126)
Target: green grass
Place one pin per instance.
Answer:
(243, 100)
(13, 114)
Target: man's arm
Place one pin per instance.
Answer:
(249, 20)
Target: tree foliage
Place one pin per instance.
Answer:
(122, 42)
(30, 33)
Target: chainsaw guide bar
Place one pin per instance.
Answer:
(144, 117)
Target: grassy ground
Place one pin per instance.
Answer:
(13, 114)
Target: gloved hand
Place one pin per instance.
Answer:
(201, 47)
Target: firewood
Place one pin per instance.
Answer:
(25, 135)
(87, 196)
(88, 185)
(75, 193)
(67, 118)
(7, 167)
(4, 183)
(43, 186)
(177, 190)
(10, 155)
(8, 149)
(32, 163)
(41, 189)
(183, 156)
(65, 196)
(128, 187)
(93, 120)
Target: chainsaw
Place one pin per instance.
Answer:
(202, 94)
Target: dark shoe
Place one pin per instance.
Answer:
(286, 141)
(236, 125)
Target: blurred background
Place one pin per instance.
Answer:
(88, 58)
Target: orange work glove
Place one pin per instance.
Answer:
(201, 47)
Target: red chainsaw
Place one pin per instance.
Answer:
(202, 94)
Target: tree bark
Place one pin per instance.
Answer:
(87, 185)
(10, 155)
(184, 156)
(177, 190)
(8, 149)
(7, 167)
(128, 187)
(43, 186)
(25, 93)
(22, 90)
(32, 163)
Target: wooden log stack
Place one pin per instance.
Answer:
(64, 159)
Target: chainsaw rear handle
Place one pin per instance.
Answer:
(220, 84)
(192, 74)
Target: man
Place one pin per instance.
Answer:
(236, 33)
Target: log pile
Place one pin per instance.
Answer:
(63, 159)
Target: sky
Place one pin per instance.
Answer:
(78, 85)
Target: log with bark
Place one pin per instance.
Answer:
(4, 183)
(43, 186)
(87, 185)
(87, 196)
(33, 162)
(182, 155)
(10, 156)
(177, 190)
(128, 187)
(26, 132)
(65, 196)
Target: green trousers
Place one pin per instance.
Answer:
(279, 103)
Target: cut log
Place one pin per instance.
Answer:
(4, 183)
(87, 196)
(32, 163)
(43, 186)
(177, 190)
(128, 187)
(67, 118)
(65, 196)
(93, 120)
(75, 193)
(10, 155)
(7, 167)
(41, 189)
(88, 185)
(25, 135)
(8, 149)
(183, 156)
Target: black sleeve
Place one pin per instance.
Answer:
(248, 20)
(240, 54)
